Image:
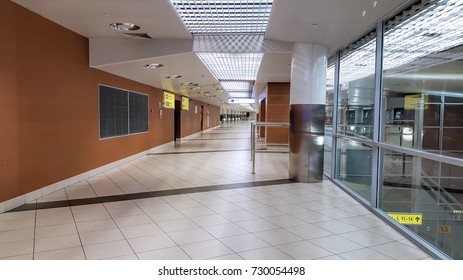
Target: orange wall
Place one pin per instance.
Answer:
(49, 106)
(277, 110)
(9, 165)
(191, 121)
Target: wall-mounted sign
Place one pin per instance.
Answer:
(185, 103)
(416, 102)
(407, 218)
(169, 100)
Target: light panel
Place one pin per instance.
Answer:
(421, 41)
(233, 66)
(218, 17)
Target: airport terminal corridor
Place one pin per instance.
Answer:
(197, 199)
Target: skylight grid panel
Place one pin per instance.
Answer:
(232, 16)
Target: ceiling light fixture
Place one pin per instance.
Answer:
(152, 66)
(189, 84)
(172, 77)
(124, 26)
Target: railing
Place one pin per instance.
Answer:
(253, 139)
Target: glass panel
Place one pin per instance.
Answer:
(353, 165)
(413, 185)
(329, 117)
(423, 75)
(357, 87)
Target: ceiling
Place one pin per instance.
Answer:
(330, 23)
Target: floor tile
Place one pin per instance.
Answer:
(363, 222)
(228, 257)
(75, 253)
(277, 236)
(399, 251)
(223, 208)
(308, 231)
(125, 212)
(16, 235)
(131, 257)
(190, 236)
(58, 230)
(16, 248)
(101, 236)
(336, 226)
(285, 221)
(27, 257)
(365, 238)
(336, 244)
(12, 216)
(256, 225)
(364, 254)
(210, 220)
(96, 225)
(269, 253)
(107, 250)
(312, 217)
(56, 242)
(244, 242)
(265, 212)
(206, 249)
(196, 211)
(132, 220)
(176, 225)
(150, 243)
(140, 230)
(172, 253)
(225, 230)
(303, 250)
(166, 216)
(238, 216)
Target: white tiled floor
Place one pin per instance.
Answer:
(283, 221)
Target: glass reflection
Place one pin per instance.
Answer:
(357, 81)
(430, 188)
(353, 166)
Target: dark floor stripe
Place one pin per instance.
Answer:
(205, 139)
(123, 197)
(198, 152)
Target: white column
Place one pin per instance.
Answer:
(307, 113)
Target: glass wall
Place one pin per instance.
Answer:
(357, 88)
(353, 166)
(329, 117)
(413, 146)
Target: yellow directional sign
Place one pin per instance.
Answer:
(169, 100)
(407, 218)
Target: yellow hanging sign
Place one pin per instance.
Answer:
(416, 102)
(169, 100)
(185, 103)
(407, 218)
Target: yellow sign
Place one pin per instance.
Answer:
(407, 218)
(185, 103)
(169, 100)
(416, 102)
(445, 229)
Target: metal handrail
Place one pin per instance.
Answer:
(253, 138)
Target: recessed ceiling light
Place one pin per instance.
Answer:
(189, 84)
(152, 66)
(172, 77)
(124, 26)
